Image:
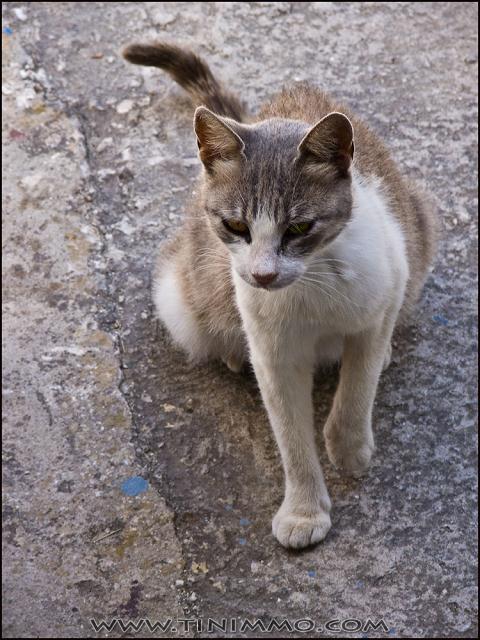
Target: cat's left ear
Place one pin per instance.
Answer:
(330, 141)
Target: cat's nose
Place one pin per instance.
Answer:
(264, 278)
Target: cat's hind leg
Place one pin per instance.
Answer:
(177, 315)
(199, 341)
(234, 360)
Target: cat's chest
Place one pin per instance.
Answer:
(334, 305)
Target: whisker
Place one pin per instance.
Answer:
(307, 284)
(333, 261)
(326, 284)
(320, 260)
(354, 277)
(211, 252)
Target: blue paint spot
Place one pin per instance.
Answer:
(312, 573)
(7, 31)
(134, 485)
(440, 320)
(244, 522)
(228, 507)
(359, 584)
(242, 541)
(392, 631)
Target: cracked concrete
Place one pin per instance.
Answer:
(99, 161)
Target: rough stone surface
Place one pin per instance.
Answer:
(99, 162)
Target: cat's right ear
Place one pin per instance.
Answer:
(217, 141)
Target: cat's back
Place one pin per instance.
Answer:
(310, 104)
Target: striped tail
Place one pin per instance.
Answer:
(191, 73)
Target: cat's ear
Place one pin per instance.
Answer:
(330, 141)
(217, 141)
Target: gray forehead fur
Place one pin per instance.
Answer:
(271, 182)
(273, 135)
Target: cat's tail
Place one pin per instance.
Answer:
(191, 73)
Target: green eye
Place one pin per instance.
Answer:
(299, 228)
(236, 226)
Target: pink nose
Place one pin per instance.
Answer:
(264, 278)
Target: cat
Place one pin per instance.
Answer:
(300, 249)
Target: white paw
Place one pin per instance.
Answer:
(388, 357)
(296, 531)
(349, 450)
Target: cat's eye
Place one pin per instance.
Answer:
(299, 228)
(236, 226)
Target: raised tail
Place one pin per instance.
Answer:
(191, 73)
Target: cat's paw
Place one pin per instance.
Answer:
(348, 450)
(296, 531)
(388, 357)
(353, 460)
(234, 362)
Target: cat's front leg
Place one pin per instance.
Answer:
(348, 430)
(285, 377)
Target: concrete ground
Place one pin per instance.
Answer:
(138, 486)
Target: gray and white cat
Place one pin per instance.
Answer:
(298, 251)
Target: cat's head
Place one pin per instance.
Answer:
(275, 192)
